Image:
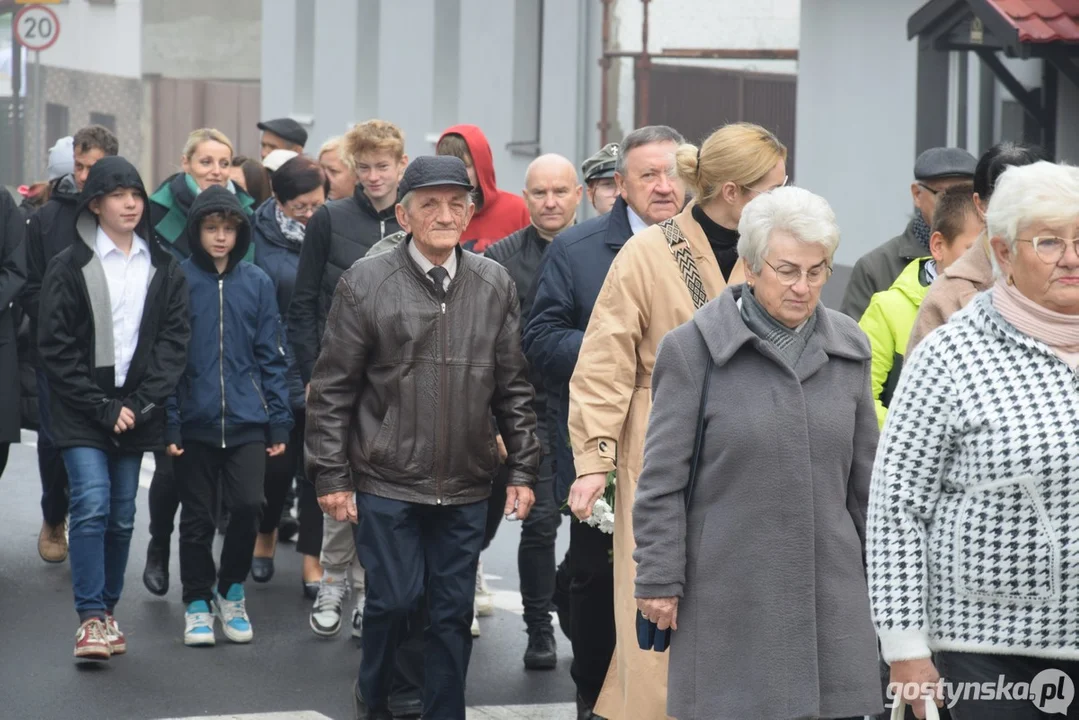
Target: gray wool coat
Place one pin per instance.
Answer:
(774, 619)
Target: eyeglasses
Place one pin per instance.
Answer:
(1050, 249)
(791, 274)
(755, 190)
(303, 209)
(929, 190)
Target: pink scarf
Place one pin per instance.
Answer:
(1057, 330)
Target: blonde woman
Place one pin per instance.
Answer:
(339, 168)
(206, 161)
(647, 293)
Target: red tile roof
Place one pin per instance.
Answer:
(1042, 21)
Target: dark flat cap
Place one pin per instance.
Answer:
(602, 164)
(944, 163)
(434, 171)
(286, 128)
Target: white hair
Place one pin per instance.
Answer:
(806, 216)
(1024, 196)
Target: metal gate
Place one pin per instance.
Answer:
(697, 100)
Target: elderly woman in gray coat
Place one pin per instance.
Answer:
(762, 578)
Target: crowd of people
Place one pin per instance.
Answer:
(816, 510)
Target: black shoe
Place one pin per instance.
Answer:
(262, 569)
(156, 575)
(584, 710)
(310, 589)
(287, 528)
(542, 652)
(406, 706)
(360, 711)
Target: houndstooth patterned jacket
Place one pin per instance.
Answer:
(973, 527)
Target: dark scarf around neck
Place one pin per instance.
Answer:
(921, 229)
(789, 343)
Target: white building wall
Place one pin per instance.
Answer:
(205, 39)
(104, 39)
(856, 116)
(366, 65)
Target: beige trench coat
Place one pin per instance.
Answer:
(643, 298)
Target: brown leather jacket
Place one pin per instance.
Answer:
(404, 388)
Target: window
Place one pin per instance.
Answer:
(56, 123)
(368, 59)
(104, 120)
(527, 76)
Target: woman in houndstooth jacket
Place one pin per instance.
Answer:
(974, 507)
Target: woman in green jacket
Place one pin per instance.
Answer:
(890, 316)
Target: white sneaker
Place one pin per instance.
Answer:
(232, 611)
(475, 625)
(326, 611)
(357, 616)
(198, 625)
(485, 601)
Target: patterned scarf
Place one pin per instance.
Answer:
(921, 230)
(291, 229)
(790, 343)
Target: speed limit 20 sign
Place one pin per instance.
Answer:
(36, 27)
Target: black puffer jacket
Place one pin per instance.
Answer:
(83, 400)
(48, 231)
(339, 234)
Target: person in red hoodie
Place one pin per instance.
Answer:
(498, 213)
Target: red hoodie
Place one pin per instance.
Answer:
(503, 213)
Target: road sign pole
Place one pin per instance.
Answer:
(39, 120)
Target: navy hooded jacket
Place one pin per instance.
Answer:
(233, 390)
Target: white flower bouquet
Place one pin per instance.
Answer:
(603, 510)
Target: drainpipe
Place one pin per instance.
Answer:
(644, 72)
(605, 67)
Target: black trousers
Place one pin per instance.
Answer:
(309, 539)
(164, 499)
(280, 472)
(536, 553)
(407, 548)
(1053, 693)
(591, 590)
(240, 472)
(50, 463)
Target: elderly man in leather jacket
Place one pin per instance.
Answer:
(422, 346)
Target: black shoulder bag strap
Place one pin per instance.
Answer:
(650, 637)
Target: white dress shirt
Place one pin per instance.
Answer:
(636, 224)
(425, 265)
(128, 277)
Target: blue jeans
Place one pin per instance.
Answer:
(103, 489)
(405, 549)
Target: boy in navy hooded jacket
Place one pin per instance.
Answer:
(230, 411)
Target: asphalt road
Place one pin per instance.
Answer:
(287, 670)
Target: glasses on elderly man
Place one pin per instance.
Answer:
(1050, 249)
(791, 274)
